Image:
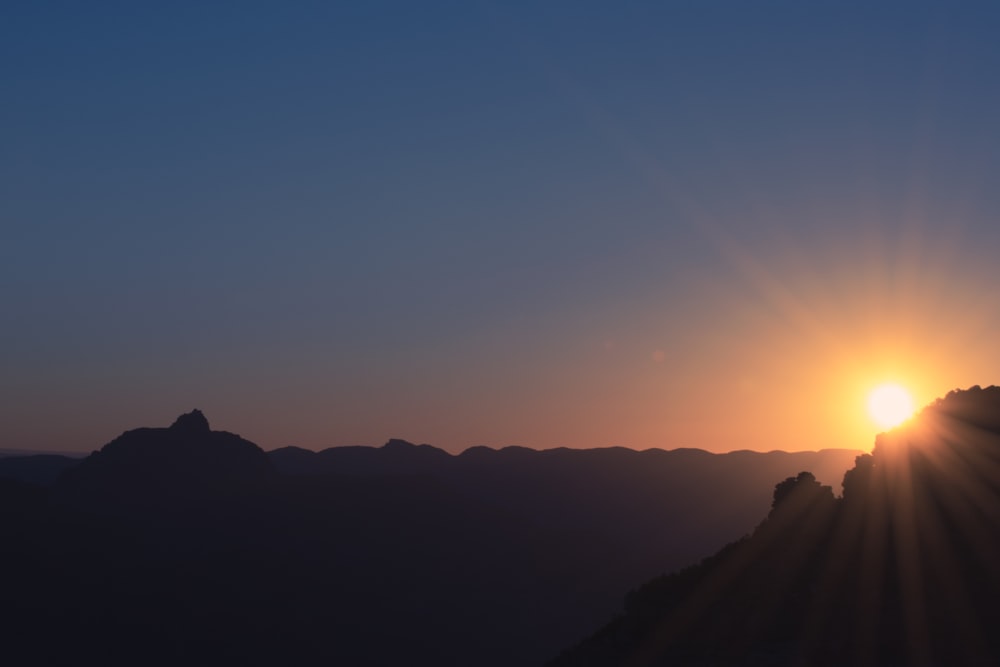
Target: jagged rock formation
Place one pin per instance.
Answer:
(193, 423)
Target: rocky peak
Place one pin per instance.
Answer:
(192, 422)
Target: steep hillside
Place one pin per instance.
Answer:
(903, 569)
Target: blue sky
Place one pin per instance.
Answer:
(582, 224)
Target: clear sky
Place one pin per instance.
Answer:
(651, 224)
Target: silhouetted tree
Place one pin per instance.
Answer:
(803, 488)
(858, 479)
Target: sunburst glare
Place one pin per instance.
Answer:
(889, 405)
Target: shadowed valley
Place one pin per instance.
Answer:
(184, 544)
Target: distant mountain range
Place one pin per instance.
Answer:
(5, 453)
(187, 545)
(661, 509)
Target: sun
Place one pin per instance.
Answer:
(889, 405)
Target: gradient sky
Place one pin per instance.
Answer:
(650, 224)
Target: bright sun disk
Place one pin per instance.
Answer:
(889, 405)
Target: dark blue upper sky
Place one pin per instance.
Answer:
(544, 223)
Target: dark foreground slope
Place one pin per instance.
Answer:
(903, 570)
(184, 545)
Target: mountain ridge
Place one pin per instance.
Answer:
(521, 550)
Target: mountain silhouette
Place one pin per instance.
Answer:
(904, 568)
(186, 545)
(182, 465)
